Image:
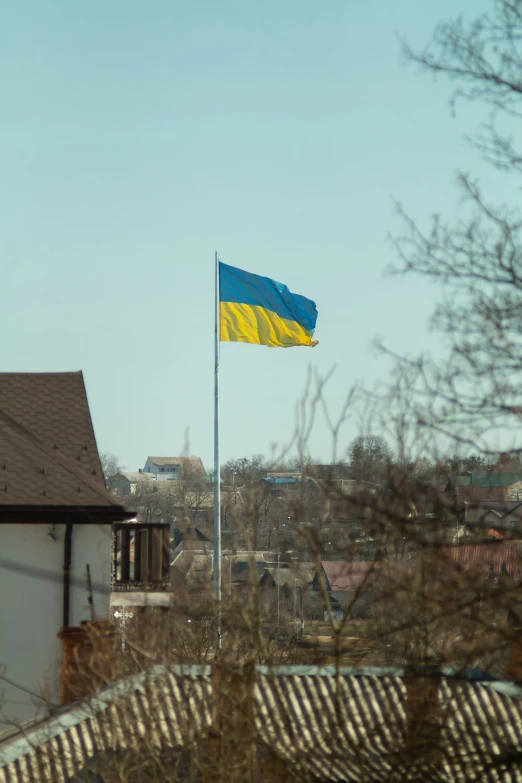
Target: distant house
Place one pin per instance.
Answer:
(355, 585)
(484, 499)
(514, 491)
(485, 487)
(192, 534)
(345, 576)
(491, 517)
(245, 573)
(175, 468)
(191, 567)
(489, 561)
(189, 503)
(300, 574)
(55, 529)
(346, 499)
(283, 483)
(125, 484)
(283, 478)
(244, 568)
(333, 472)
(513, 517)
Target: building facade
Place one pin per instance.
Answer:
(174, 468)
(55, 534)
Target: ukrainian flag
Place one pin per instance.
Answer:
(255, 309)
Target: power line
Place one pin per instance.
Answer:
(50, 576)
(26, 690)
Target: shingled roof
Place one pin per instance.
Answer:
(49, 462)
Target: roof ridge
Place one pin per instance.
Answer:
(54, 453)
(25, 374)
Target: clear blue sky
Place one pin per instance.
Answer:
(137, 138)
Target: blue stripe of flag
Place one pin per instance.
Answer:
(236, 285)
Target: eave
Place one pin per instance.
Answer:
(56, 515)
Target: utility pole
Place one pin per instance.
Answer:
(277, 581)
(295, 605)
(217, 468)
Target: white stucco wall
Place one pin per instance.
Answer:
(91, 545)
(151, 468)
(31, 608)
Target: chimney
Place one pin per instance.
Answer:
(232, 734)
(514, 635)
(89, 660)
(515, 644)
(423, 738)
(515, 659)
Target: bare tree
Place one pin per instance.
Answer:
(244, 470)
(110, 465)
(475, 391)
(369, 457)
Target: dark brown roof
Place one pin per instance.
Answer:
(48, 454)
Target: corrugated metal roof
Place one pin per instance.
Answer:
(324, 723)
(56, 749)
(480, 557)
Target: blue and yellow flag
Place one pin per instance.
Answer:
(255, 309)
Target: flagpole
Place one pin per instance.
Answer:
(217, 478)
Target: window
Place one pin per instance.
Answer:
(141, 553)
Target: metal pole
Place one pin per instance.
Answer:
(217, 479)
(67, 560)
(278, 556)
(301, 624)
(89, 596)
(295, 606)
